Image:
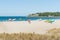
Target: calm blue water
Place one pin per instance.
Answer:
(23, 18)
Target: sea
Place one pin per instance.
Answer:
(24, 18)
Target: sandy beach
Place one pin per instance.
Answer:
(23, 26)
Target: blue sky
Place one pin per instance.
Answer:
(25, 7)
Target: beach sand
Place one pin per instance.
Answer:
(36, 26)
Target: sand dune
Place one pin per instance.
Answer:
(24, 26)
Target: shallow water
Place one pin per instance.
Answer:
(24, 18)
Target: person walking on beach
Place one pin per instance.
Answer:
(29, 21)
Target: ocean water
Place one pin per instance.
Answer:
(24, 18)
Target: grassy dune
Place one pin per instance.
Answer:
(53, 34)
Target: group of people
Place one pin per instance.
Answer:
(14, 19)
(29, 21)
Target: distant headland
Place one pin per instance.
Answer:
(45, 14)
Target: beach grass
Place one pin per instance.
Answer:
(52, 34)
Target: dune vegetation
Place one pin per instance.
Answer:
(53, 34)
